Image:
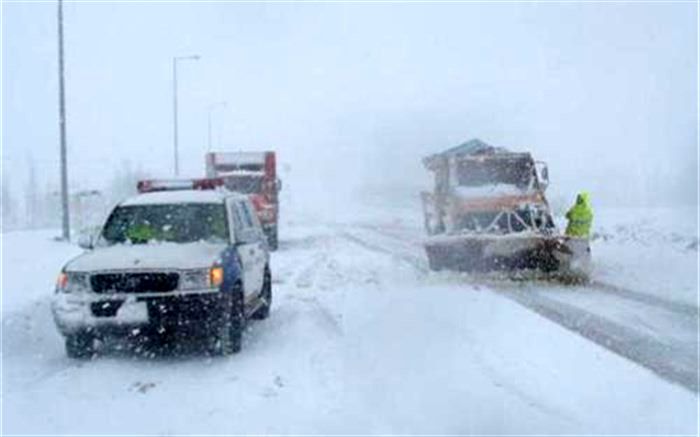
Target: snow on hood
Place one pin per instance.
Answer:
(148, 256)
(494, 190)
(176, 197)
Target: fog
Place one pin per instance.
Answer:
(353, 95)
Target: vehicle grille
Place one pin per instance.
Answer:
(134, 282)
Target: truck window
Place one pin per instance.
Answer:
(178, 223)
(246, 184)
(252, 214)
(246, 214)
(243, 227)
(516, 172)
(238, 225)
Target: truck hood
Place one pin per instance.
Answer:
(495, 201)
(148, 256)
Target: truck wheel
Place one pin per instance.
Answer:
(238, 320)
(433, 262)
(80, 345)
(228, 331)
(265, 297)
(272, 238)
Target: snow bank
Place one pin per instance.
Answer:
(649, 250)
(31, 261)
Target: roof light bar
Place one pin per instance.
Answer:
(151, 185)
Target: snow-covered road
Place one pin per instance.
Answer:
(657, 331)
(361, 339)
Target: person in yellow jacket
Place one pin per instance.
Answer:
(580, 217)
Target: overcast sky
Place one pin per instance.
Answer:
(355, 94)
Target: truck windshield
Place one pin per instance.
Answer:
(518, 172)
(246, 184)
(178, 223)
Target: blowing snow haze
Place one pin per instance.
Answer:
(353, 95)
(378, 293)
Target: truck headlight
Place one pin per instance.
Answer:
(69, 282)
(62, 282)
(201, 279)
(194, 279)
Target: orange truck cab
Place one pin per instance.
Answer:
(254, 174)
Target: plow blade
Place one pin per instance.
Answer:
(551, 255)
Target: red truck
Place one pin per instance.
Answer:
(255, 174)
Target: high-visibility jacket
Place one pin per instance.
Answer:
(580, 217)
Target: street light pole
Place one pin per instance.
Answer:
(175, 145)
(175, 127)
(62, 128)
(209, 112)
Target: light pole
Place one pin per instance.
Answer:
(175, 144)
(210, 110)
(62, 128)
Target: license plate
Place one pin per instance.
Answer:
(132, 311)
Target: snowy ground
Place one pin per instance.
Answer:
(362, 339)
(651, 251)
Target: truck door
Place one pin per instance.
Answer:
(257, 241)
(245, 247)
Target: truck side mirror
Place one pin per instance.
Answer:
(85, 241)
(542, 173)
(278, 185)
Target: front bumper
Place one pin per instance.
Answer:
(124, 313)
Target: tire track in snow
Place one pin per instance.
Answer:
(669, 361)
(492, 364)
(672, 362)
(673, 306)
(323, 316)
(497, 379)
(418, 263)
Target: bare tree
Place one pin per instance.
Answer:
(124, 181)
(31, 196)
(8, 206)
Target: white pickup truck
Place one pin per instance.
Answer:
(169, 260)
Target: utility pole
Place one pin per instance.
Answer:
(62, 127)
(175, 130)
(175, 145)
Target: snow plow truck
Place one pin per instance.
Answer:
(488, 213)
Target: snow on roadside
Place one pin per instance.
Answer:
(31, 261)
(654, 251)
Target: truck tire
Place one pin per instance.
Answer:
(80, 345)
(238, 320)
(221, 341)
(266, 297)
(272, 241)
(229, 325)
(434, 263)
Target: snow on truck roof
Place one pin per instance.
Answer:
(240, 158)
(179, 196)
(472, 148)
